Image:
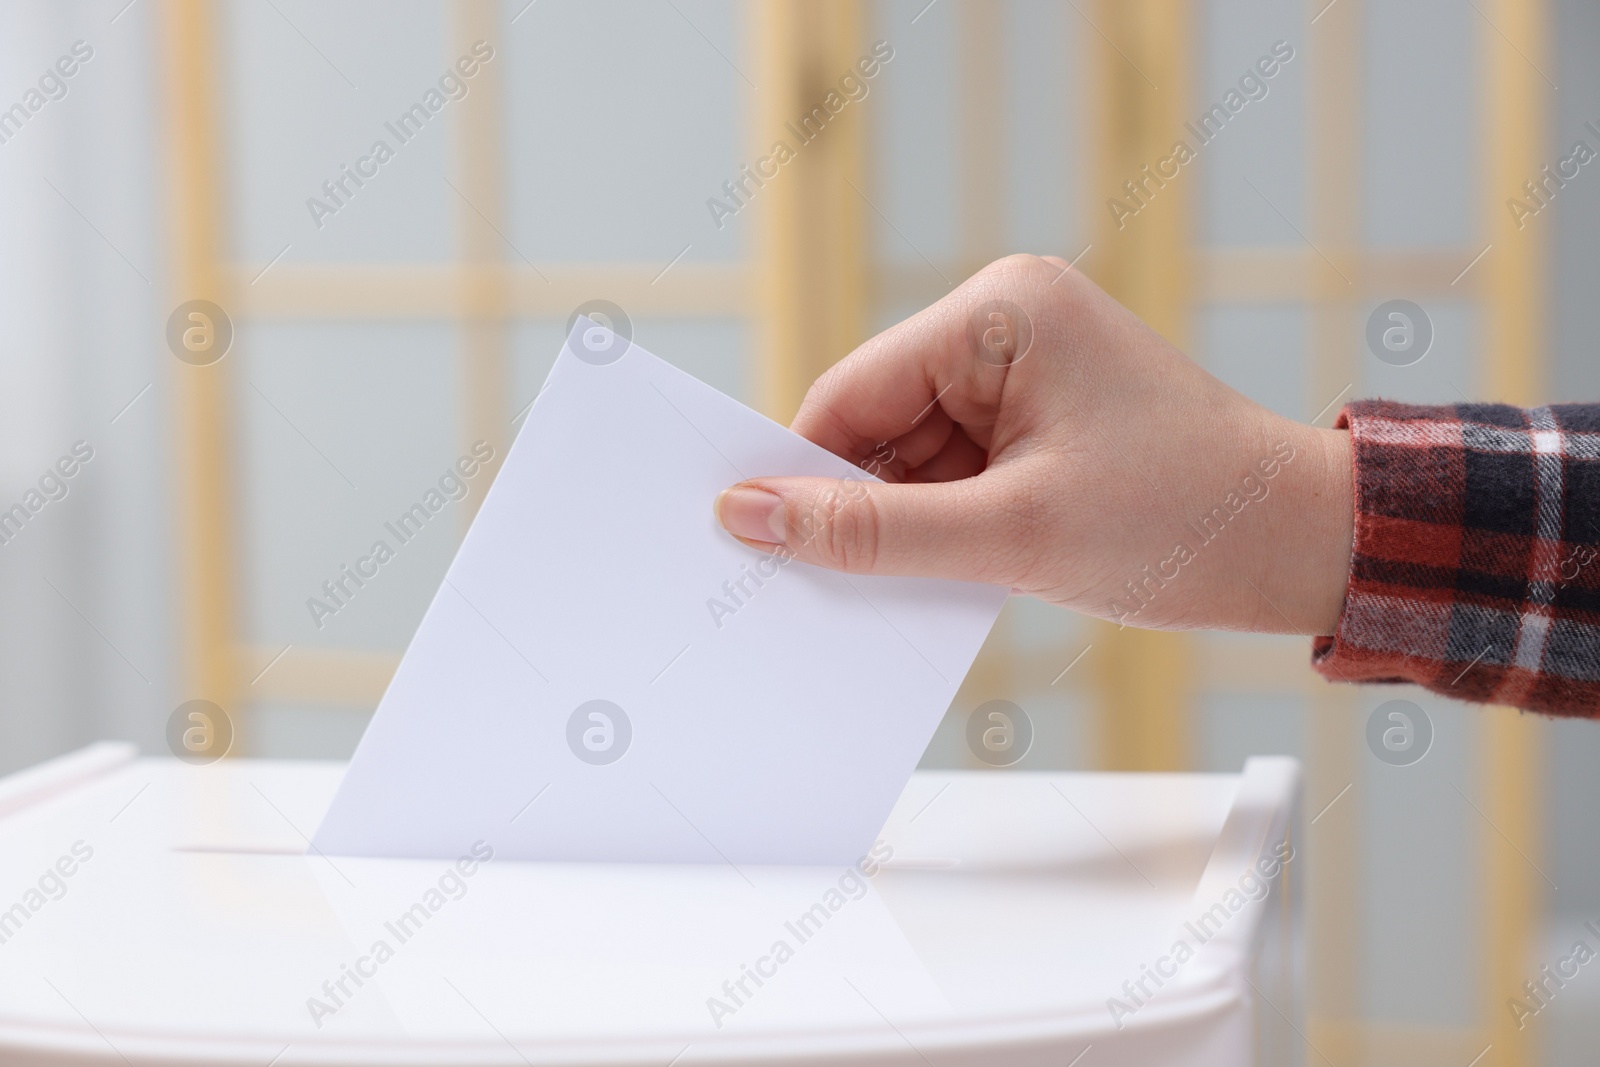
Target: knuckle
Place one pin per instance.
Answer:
(846, 525)
(1020, 266)
(1043, 287)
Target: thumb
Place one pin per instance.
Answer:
(932, 529)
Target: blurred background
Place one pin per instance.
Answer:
(371, 315)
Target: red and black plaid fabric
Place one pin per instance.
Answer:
(1476, 570)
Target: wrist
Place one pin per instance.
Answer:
(1308, 555)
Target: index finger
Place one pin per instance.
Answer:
(945, 355)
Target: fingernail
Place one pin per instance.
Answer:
(751, 513)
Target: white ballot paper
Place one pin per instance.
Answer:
(607, 675)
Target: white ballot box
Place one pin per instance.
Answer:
(153, 912)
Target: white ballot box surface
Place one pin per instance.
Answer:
(156, 912)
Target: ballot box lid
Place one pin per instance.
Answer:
(152, 911)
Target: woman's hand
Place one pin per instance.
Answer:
(1031, 432)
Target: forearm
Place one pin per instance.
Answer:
(1473, 567)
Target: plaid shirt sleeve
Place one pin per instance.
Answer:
(1476, 570)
